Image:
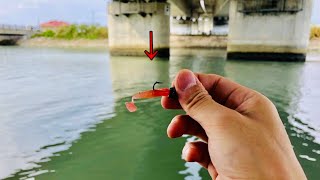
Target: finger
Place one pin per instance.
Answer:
(198, 152)
(225, 91)
(184, 124)
(212, 171)
(169, 103)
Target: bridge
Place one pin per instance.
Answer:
(258, 29)
(11, 34)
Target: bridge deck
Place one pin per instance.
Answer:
(16, 30)
(11, 34)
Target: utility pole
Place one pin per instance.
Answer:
(92, 17)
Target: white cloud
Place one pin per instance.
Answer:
(31, 4)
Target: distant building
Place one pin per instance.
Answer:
(53, 25)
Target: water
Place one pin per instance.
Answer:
(62, 113)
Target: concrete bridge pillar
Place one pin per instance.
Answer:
(269, 30)
(129, 24)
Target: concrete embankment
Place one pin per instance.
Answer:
(314, 45)
(198, 42)
(60, 43)
(178, 41)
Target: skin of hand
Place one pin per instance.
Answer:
(242, 134)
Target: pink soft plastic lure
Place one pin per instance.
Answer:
(170, 92)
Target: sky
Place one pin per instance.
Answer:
(33, 12)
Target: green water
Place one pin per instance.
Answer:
(63, 115)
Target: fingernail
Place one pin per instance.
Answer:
(185, 151)
(185, 80)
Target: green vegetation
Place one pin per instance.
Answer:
(315, 32)
(75, 32)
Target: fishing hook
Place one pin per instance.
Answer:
(157, 82)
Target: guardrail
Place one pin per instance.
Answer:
(19, 28)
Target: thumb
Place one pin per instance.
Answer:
(195, 99)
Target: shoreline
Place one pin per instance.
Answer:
(62, 43)
(314, 46)
(215, 42)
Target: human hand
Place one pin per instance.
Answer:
(243, 135)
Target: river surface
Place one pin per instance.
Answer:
(62, 113)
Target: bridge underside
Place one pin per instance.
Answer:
(131, 20)
(11, 39)
(257, 29)
(195, 8)
(11, 34)
(198, 17)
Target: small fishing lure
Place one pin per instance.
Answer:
(169, 92)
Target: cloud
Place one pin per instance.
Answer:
(31, 4)
(316, 12)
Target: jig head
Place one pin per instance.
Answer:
(168, 92)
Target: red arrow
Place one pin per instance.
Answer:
(151, 54)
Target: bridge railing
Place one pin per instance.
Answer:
(270, 6)
(19, 28)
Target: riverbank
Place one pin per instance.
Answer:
(314, 45)
(175, 42)
(220, 42)
(61, 43)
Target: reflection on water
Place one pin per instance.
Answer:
(63, 115)
(48, 97)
